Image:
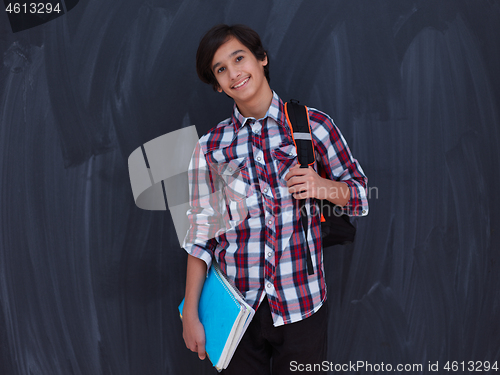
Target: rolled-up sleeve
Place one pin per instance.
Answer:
(204, 216)
(338, 162)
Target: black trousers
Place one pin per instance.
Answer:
(265, 349)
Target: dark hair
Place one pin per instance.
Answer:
(217, 36)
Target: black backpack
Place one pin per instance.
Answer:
(336, 228)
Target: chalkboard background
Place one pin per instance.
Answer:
(89, 283)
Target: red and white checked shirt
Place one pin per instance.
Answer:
(242, 213)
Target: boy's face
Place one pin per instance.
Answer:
(238, 72)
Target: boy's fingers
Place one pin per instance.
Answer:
(295, 170)
(295, 182)
(201, 351)
(294, 173)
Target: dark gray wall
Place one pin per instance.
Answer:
(89, 283)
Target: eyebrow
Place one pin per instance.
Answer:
(216, 65)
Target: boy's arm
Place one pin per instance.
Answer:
(346, 185)
(204, 220)
(340, 166)
(193, 331)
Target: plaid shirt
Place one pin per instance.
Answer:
(242, 213)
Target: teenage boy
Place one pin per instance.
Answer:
(264, 253)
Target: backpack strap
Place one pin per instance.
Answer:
(297, 117)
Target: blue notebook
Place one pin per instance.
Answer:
(225, 315)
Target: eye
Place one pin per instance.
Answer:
(239, 58)
(220, 70)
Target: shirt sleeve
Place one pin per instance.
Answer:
(204, 215)
(338, 162)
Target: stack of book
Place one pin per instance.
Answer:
(225, 315)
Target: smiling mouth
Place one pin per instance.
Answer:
(241, 83)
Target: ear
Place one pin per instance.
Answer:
(216, 86)
(264, 61)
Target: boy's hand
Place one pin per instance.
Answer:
(194, 335)
(305, 183)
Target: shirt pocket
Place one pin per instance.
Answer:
(285, 156)
(235, 179)
(236, 188)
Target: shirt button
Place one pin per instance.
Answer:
(269, 254)
(291, 153)
(268, 285)
(266, 190)
(258, 158)
(363, 212)
(230, 169)
(270, 222)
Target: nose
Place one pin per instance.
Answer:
(234, 72)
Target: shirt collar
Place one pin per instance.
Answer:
(276, 111)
